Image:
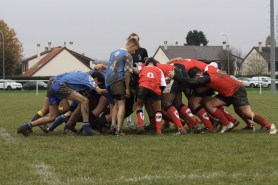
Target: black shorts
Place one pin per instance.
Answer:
(238, 99)
(144, 94)
(117, 90)
(194, 93)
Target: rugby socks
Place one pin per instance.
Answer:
(166, 123)
(57, 122)
(67, 127)
(28, 126)
(219, 115)
(140, 117)
(152, 120)
(86, 127)
(174, 115)
(158, 121)
(38, 116)
(227, 115)
(187, 114)
(261, 121)
(247, 121)
(203, 115)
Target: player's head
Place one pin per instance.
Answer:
(133, 35)
(98, 78)
(195, 72)
(132, 45)
(150, 60)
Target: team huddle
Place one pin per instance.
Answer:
(132, 82)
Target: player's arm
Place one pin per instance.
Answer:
(178, 59)
(127, 71)
(205, 79)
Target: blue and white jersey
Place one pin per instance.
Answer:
(78, 81)
(61, 75)
(120, 61)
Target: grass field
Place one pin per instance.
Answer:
(238, 157)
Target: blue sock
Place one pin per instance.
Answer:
(67, 127)
(27, 126)
(57, 122)
(86, 127)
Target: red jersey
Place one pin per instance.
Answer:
(165, 68)
(190, 63)
(152, 78)
(221, 82)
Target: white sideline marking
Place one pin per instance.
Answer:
(46, 174)
(123, 179)
(7, 136)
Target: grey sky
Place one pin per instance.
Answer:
(97, 27)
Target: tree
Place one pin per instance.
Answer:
(196, 38)
(256, 66)
(12, 49)
(235, 60)
(267, 41)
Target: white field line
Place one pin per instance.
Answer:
(86, 180)
(46, 173)
(7, 136)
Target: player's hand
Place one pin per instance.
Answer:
(127, 93)
(171, 74)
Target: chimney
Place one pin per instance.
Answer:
(38, 52)
(201, 44)
(45, 48)
(165, 45)
(224, 46)
(260, 46)
(177, 43)
(71, 47)
(65, 45)
(49, 46)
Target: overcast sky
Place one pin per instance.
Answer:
(97, 27)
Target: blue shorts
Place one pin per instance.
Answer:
(58, 91)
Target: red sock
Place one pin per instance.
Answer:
(166, 123)
(261, 121)
(203, 115)
(190, 125)
(152, 120)
(174, 115)
(186, 112)
(219, 115)
(227, 115)
(247, 121)
(158, 120)
(140, 117)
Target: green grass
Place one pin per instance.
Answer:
(238, 157)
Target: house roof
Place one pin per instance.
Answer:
(202, 53)
(265, 53)
(50, 55)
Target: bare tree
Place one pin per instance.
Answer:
(256, 66)
(237, 53)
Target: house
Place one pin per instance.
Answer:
(257, 61)
(54, 61)
(206, 54)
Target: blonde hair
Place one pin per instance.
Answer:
(132, 41)
(133, 35)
